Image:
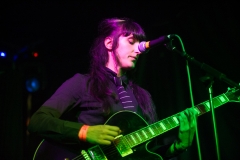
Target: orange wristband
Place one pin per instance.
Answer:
(83, 133)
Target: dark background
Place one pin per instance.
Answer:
(62, 33)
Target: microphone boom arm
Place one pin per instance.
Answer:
(203, 66)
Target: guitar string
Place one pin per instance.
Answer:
(109, 153)
(111, 150)
(174, 125)
(80, 157)
(202, 108)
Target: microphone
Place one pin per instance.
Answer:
(143, 46)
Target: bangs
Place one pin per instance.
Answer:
(129, 27)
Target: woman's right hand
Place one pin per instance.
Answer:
(102, 134)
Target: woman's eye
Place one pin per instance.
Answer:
(131, 41)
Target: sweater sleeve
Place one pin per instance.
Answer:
(46, 121)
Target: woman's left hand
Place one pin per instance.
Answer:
(186, 129)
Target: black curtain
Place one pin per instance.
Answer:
(63, 32)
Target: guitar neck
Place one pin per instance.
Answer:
(160, 127)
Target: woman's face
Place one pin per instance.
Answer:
(127, 52)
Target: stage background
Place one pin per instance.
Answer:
(62, 32)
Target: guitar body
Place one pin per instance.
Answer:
(127, 121)
(136, 133)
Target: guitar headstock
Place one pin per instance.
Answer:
(233, 94)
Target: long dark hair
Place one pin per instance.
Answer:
(98, 81)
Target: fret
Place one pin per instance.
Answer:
(141, 134)
(155, 128)
(175, 120)
(159, 127)
(136, 137)
(139, 137)
(133, 139)
(147, 131)
(144, 133)
(162, 125)
(207, 104)
(151, 131)
(216, 102)
(171, 122)
(129, 140)
(204, 108)
(223, 99)
(199, 108)
(167, 124)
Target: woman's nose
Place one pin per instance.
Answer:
(136, 49)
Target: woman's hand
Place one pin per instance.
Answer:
(102, 134)
(186, 129)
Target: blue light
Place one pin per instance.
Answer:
(32, 85)
(3, 54)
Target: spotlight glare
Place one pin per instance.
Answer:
(35, 54)
(32, 85)
(3, 54)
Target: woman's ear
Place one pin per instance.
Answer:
(108, 43)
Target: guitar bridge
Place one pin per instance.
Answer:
(96, 153)
(85, 155)
(122, 146)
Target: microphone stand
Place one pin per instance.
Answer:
(213, 73)
(171, 47)
(192, 102)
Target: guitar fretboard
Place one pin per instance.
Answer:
(160, 127)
